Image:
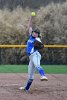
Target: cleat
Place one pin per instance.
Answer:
(23, 89)
(44, 78)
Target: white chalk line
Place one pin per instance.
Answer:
(10, 85)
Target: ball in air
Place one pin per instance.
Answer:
(33, 14)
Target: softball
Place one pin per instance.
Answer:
(33, 14)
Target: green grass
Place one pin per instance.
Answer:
(55, 69)
(13, 68)
(49, 69)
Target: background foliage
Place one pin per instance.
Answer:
(51, 20)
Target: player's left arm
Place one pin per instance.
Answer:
(38, 44)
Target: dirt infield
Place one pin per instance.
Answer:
(54, 89)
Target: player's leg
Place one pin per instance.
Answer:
(36, 60)
(31, 71)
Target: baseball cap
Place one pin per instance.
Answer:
(36, 31)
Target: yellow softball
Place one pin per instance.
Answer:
(33, 14)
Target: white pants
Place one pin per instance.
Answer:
(33, 64)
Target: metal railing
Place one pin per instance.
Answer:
(24, 46)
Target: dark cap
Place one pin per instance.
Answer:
(37, 31)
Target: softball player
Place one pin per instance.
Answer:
(34, 57)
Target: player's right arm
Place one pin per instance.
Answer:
(29, 29)
(30, 26)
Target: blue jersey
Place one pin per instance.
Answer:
(30, 45)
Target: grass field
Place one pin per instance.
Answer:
(49, 69)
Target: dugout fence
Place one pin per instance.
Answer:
(52, 54)
(24, 46)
